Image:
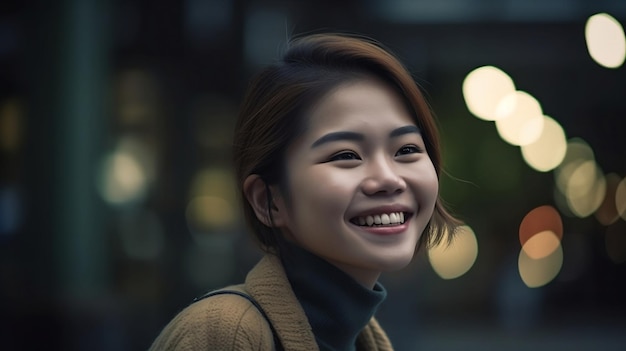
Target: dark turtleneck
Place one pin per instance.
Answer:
(336, 305)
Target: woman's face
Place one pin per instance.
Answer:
(361, 186)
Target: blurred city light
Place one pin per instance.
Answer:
(11, 125)
(204, 212)
(519, 118)
(548, 151)
(541, 245)
(484, 88)
(122, 179)
(607, 212)
(454, 260)
(620, 198)
(541, 271)
(578, 151)
(605, 40)
(212, 204)
(585, 189)
(540, 219)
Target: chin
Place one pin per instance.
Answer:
(390, 264)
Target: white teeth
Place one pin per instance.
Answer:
(384, 219)
(393, 218)
(377, 219)
(381, 219)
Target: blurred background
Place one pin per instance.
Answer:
(117, 201)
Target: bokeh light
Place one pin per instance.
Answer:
(519, 118)
(483, 88)
(548, 151)
(541, 245)
(586, 188)
(122, 179)
(580, 180)
(212, 204)
(11, 125)
(539, 272)
(607, 212)
(605, 39)
(209, 212)
(540, 219)
(620, 198)
(454, 260)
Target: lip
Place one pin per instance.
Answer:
(385, 230)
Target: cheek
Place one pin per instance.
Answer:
(427, 183)
(319, 192)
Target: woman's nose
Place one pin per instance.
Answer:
(382, 178)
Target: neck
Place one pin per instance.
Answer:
(365, 277)
(331, 298)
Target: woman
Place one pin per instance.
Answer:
(337, 159)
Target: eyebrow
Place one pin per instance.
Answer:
(404, 130)
(353, 136)
(338, 136)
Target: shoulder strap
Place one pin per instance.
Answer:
(278, 346)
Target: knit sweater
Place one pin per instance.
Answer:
(230, 322)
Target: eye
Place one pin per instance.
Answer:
(344, 156)
(408, 149)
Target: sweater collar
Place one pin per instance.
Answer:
(336, 305)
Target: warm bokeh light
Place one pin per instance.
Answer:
(519, 118)
(213, 182)
(547, 152)
(620, 198)
(578, 151)
(605, 40)
(541, 245)
(212, 204)
(615, 242)
(585, 189)
(540, 219)
(122, 178)
(483, 88)
(607, 212)
(11, 125)
(539, 272)
(454, 260)
(208, 212)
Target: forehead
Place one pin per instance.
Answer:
(357, 104)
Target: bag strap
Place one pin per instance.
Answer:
(277, 344)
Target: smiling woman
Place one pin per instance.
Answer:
(337, 159)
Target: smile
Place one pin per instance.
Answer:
(379, 220)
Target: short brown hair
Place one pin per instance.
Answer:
(272, 114)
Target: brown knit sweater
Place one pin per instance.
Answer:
(230, 322)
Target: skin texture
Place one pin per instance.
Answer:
(379, 166)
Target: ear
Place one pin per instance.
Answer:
(261, 198)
